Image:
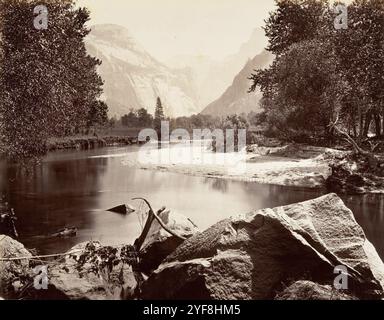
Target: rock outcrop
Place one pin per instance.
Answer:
(159, 243)
(252, 255)
(353, 174)
(66, 280)
(12, 271)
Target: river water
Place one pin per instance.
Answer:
(75, 188)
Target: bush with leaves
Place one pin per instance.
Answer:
(101, 260)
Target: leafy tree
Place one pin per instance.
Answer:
(130, 119)
(294, 21)
(97, 114)
(49, 82)
(360, 50)
(137, 119)
(321, 73)
(235, 122)
(144, 119)
(112, 122)
(300, 89)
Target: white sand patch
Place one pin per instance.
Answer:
(192, 160)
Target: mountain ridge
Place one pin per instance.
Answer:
(236, 98)
(205, 70)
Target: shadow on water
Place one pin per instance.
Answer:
(75, 188)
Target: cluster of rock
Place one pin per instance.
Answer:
(252, 256)
(289, 252)
(353, 175)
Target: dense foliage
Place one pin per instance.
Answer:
(137, 119)
(320, 72)
(102, 259)
(49, 84)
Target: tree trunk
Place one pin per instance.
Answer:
(367, 124)
(377, 125)
(354, 126)
(361, 124)
(382, 116)
(373, 162)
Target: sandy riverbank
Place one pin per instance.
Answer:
(248, 166)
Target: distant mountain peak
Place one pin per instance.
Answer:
(236, 99)
(212, 77)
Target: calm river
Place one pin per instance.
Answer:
(74, 188)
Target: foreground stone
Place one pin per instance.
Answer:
(251, 256)
(308, 290)
(12, 271)
(67, 281)
(160, 243)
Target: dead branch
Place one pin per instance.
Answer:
(374, 146)
(373, 162)
(151, 216)
(348, 138)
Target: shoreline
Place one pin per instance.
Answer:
(291, 165)
(268, 169)
(89, 142)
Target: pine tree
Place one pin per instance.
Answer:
(159, 116)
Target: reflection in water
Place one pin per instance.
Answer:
(369, 213)
(217, 184)
(75, 188)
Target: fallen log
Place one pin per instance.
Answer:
(374, 162)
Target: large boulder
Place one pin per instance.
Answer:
(11, 271)
(67, 281)
(159, 243)
(252, 255)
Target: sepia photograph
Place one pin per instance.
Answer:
(209, 151)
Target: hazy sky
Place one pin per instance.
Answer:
(170, 27)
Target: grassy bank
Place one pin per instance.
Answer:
(89, 142)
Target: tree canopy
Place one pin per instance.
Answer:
(320, 71)
(49, 83)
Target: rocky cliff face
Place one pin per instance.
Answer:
(134, 79)
(236, 98)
